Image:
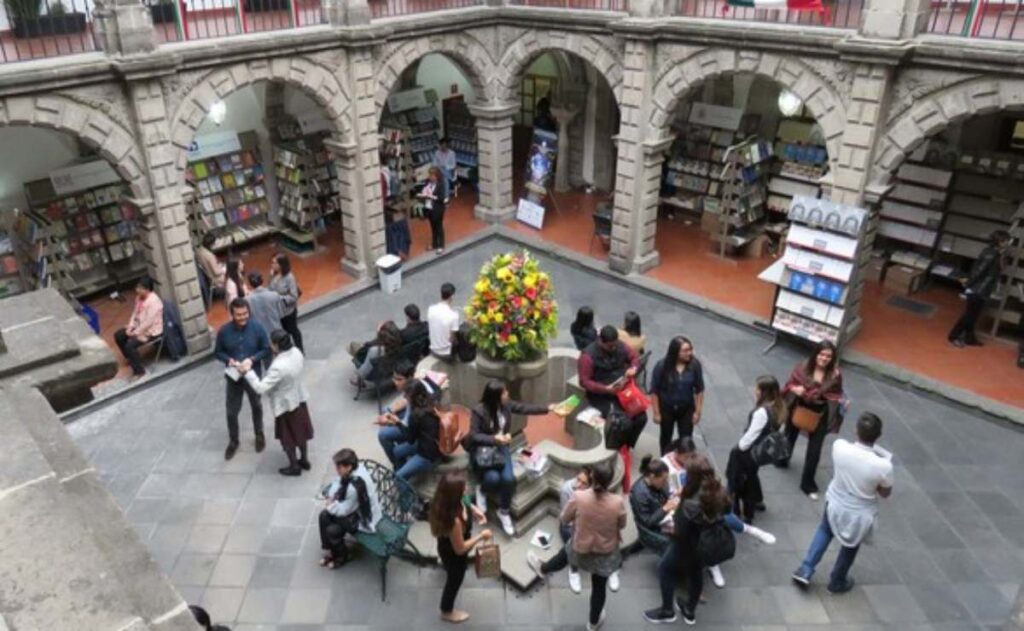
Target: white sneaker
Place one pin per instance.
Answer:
(600, 621)
(716, 576)
(613, 581)
(506, 523)
(761, 535)
(481, 499)
(534, 562)
(575, 583)
(814, 497)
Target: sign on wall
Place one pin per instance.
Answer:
(407, 100)
(716, 116)
(80, 177)
(213, 145)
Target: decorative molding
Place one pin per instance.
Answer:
(915, 84)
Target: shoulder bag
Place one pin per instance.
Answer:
(616, 429)
(632, 399)
(488, 457)
(774, 448)
(716, 544)
(805, 419)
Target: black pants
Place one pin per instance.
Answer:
(130, 349)
(675, 563)
(233, 395)
(815, 441)
(455, 568)
(598, 596)
(290, 323)
(964, 328)
(672, 417)
(332, 534)
(749, 494)
(436, 227)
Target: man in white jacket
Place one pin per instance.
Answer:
(863, 475)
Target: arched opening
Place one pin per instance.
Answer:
(67, 221)
(264, 180)
(426, 122)
(742, 146)
(947, 197)
(564, 148)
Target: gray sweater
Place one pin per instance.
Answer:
(266, 307)
(288, 287)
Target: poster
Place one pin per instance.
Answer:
(540, 166)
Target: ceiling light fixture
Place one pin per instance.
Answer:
(789, 103)
(218, 112)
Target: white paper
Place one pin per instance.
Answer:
(232, 373)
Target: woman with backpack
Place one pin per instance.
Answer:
(700, 538)
(451, 523)
(741, 472)
(420, 447)
(488, 443)
(350, 505)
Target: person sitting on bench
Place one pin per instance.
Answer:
(146, 324)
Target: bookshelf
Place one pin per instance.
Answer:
(230, 195)
(799, 167)
(12, 279)
(730, 222)
(460, 129)
(818, 279)
(694, 165)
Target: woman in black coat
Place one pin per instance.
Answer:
(978, 287)
(488, 443)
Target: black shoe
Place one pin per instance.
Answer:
(760, 506)
(781, 464)
(261, 442)
(229, 453)
(305, 464)
(957, 343)
(290, 471)
(689, 615)
(840, 589)
(660, 616)
(973, 342)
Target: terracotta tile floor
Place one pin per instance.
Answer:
(912, 342)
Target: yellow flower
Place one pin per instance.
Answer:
(484, 318)
(499, 317)
(530, 281)
(482, 285)
(512, 339)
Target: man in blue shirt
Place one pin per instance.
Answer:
(242, 341)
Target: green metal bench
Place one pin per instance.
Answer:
(399, 506)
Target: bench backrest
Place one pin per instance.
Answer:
(399, 502)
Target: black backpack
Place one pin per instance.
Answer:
(773, 448)
(462, 347)
(616, 428)
(716, 544)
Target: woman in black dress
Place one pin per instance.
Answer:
(450, 523)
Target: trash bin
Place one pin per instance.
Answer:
(389, 271)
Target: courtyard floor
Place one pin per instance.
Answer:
(241, 540)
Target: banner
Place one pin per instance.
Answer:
(540, 166)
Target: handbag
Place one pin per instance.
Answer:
(488, 457)
(488, 561)
(805, 419)
(616, 429)
(716, 544)
(773, 449)
(632, 399)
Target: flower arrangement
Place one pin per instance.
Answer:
(512, 312)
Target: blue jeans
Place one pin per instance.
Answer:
(413, 464)
(502, 480)
(732, 522)
(823, 537)
(390, 437)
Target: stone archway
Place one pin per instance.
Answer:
(316, 80)
(468, 54)
(112, 140)
(823, 99)
(937, 111)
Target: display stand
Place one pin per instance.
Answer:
(31, 247)
(743, 198)
(12, 276)
(818, 279)
(692, 172)
(398, 159)
(231, 199)
(912, 216)
(305, 190)
(88, 233)
(800, 165)
(1011, 294)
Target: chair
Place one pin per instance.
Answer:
(602, 229)
(400, 506)
(159, 342)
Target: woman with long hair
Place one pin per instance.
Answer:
(283, 385)
(814, 388)
(418, 451)
(584, 333)
(435, 195)
(677, 391)
(387, 344)
(282, 280)
(768, 415)
(450, 523)
(234, 285)
(631, 333)
(488, 443)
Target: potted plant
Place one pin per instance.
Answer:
(512, 313)
(27, 19)
(163, 11)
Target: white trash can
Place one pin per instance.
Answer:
(389, 272)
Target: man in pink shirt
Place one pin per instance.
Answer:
(147, 323)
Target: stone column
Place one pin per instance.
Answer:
(170, 251)
(894, 19)
(346, 12)
(638, 166)
(564, 117)
(494, 160)
(354, 215)
(124, 27)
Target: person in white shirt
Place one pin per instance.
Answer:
(446, 160)
(351, 505)
(741, 471)
(443, 323)
(863, 475)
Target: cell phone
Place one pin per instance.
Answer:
(527, 452)
(544, 540)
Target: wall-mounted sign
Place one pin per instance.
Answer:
(214, 144)
(716, 116)
(80, 177)
(407, 100)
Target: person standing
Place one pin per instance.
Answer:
(863, 475)
(435, 195)
(978, 286)
(741, 471)
(450, 523)
(351, 505)
(677, 392)
(443, 324)
(488, 443)
(816, 386)
(239, 341)
(265, 306)
(582, 329)
(282, 280)
(283, 384)
(604, 368)
(597, 516)
(446, 160)
(146, 324)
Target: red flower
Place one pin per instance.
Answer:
(531, 293)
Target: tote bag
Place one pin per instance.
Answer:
(488, 561)
(632, 399)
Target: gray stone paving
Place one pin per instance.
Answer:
(241, 540)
